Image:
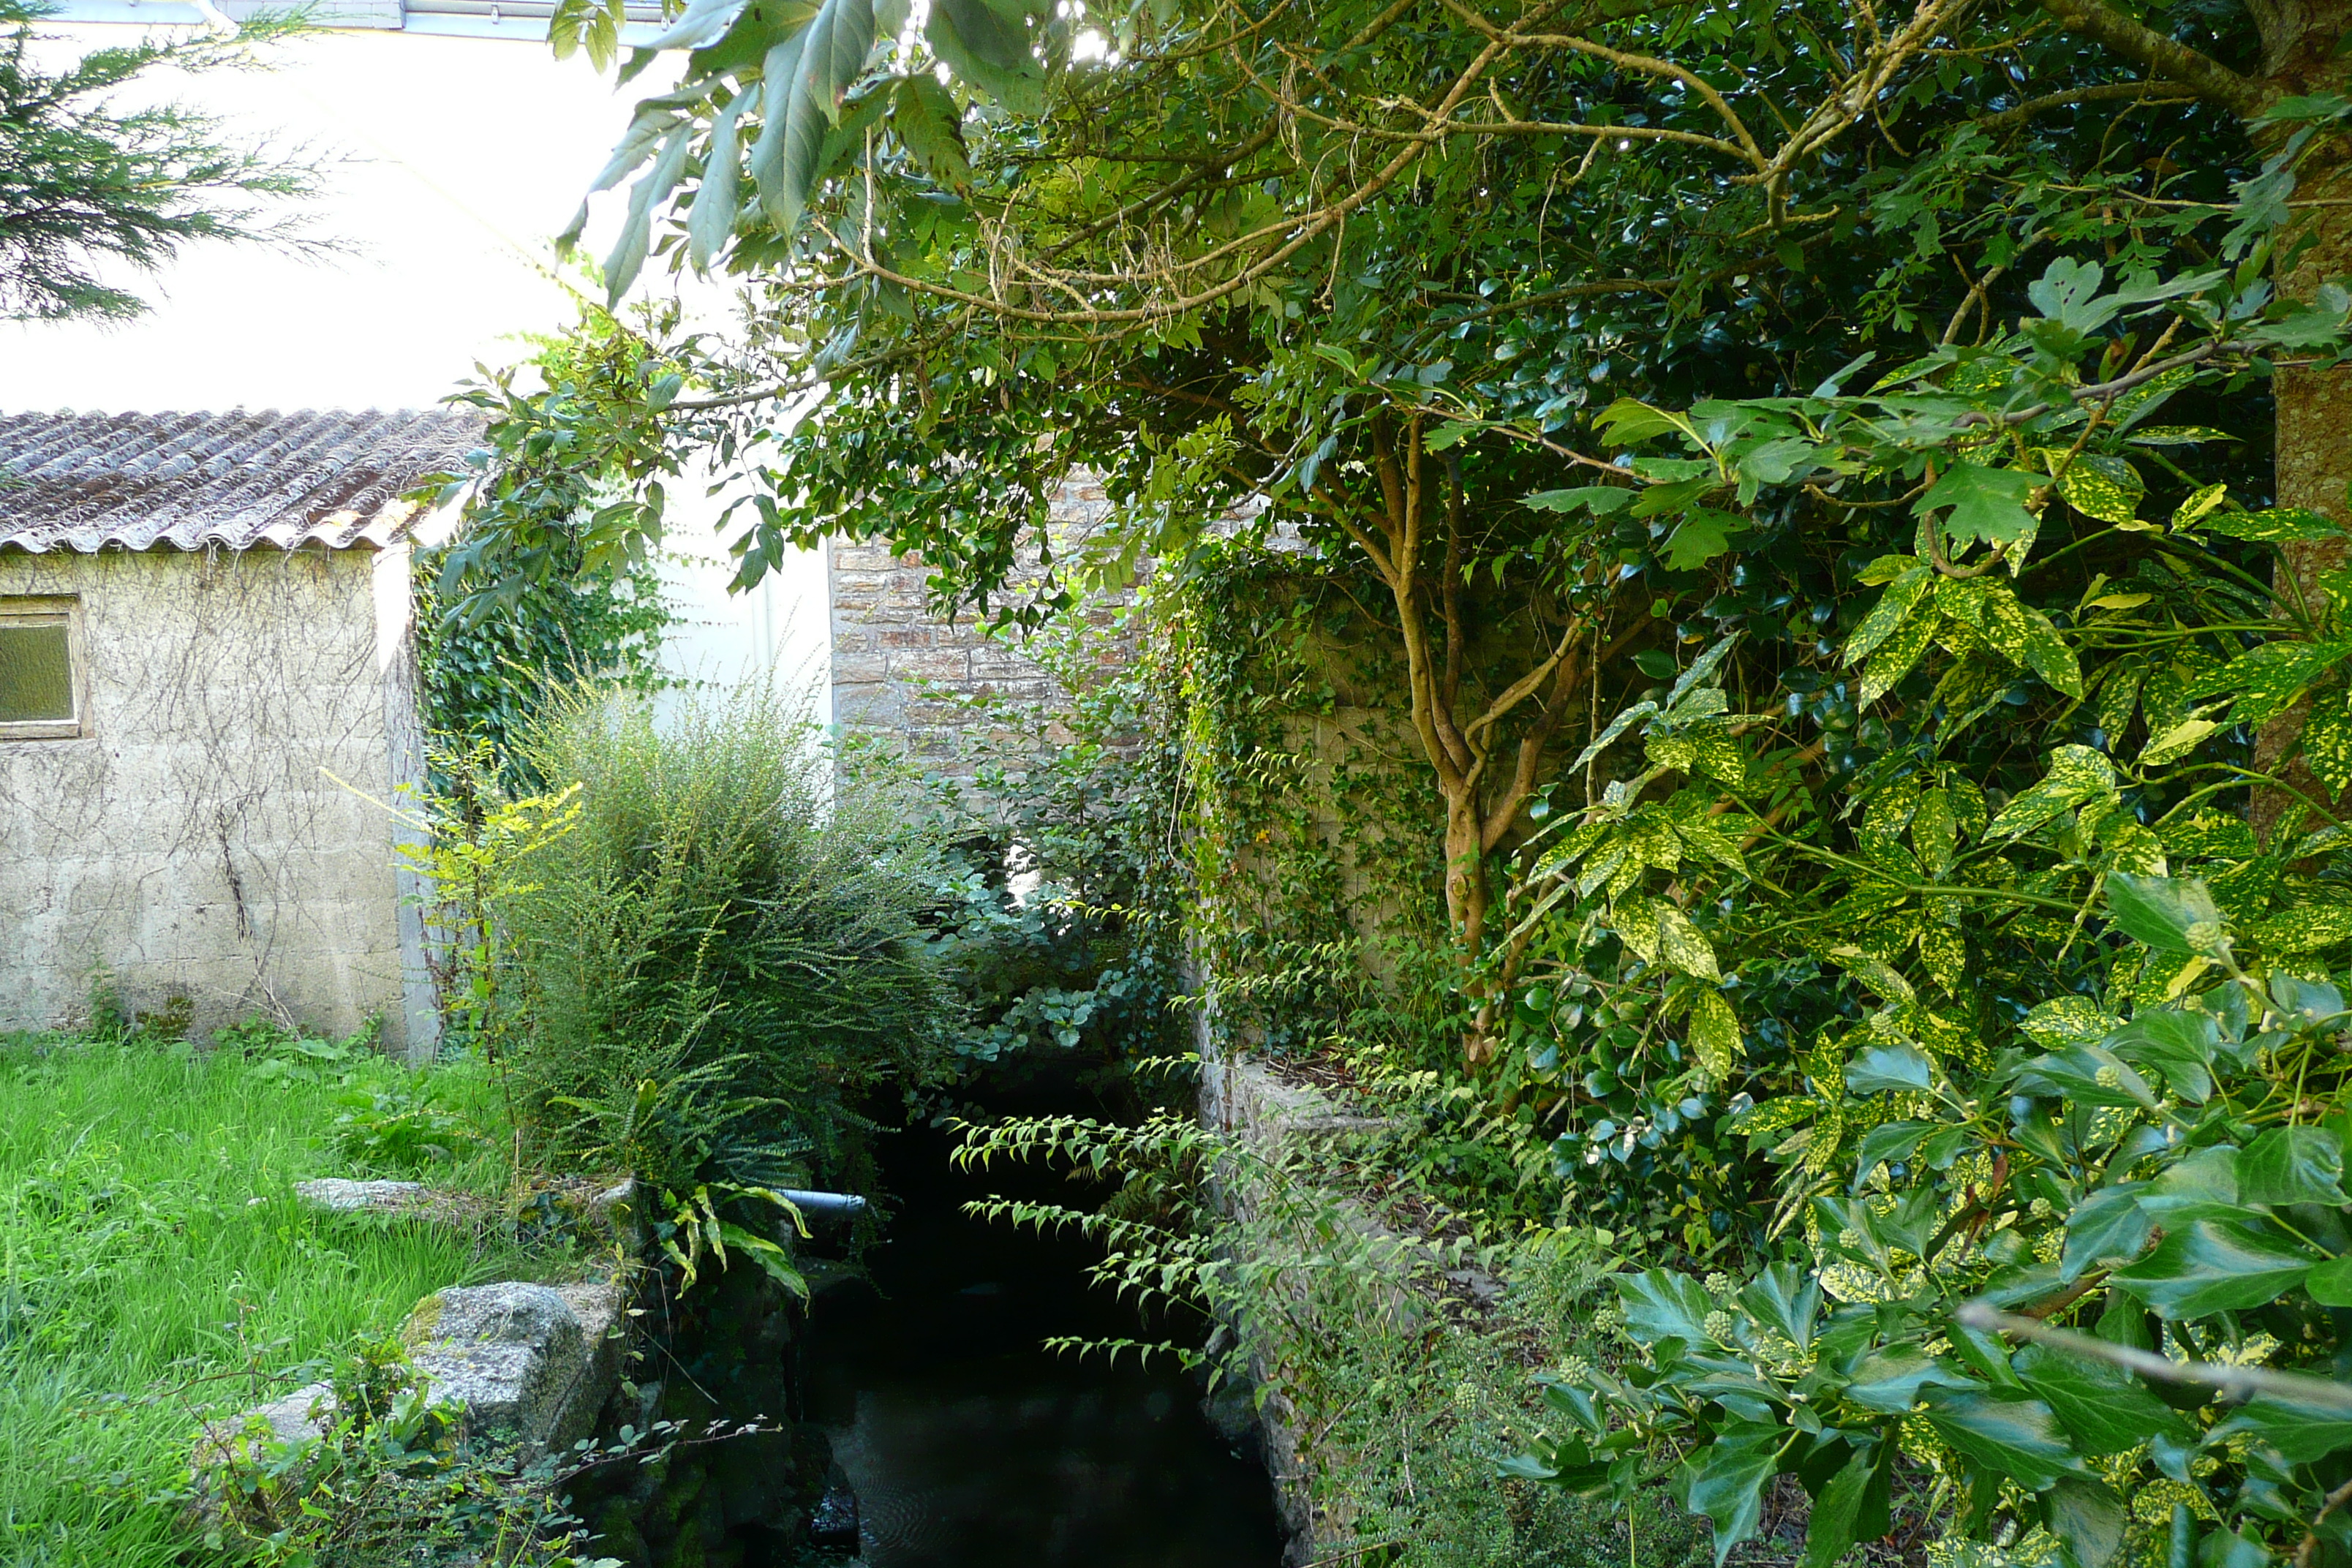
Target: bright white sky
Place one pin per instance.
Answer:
(463, 156)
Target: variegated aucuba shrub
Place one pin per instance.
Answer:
(2171, 1185)
(1964, 931)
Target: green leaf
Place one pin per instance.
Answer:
(2170, 914)
(2109, 1225)
(1658, 1305)
(1890, 1380)
(2327, 739)
(2291, 1165)
(2088, 1517)
(2302, 1432)
(1629, 422)
(1701, 536)
(990, 50)
(1831, 1532)
(2215, 1266)
(2008, 1433)
(2330, 1284)
(1899, 1066)
(2104, 1409)
(2177, 742)
(930, 127)
(712, 217)
(1725, 1480)
(1986, 504)
(1601, 500)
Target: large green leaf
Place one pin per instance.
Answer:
(1725, 1480)
(930, 127)
(2104, 1409)
(2088, 1517)
(1837, 1513)
(2107, 1225)
(712, 216)
(2215, 1266)
(2301, 1430)
(987, 47)
(2008, 1433)
(2291, 1165)
(1983, 503)
(1659, 1305)
(1898, 1066)
(1890, 1380)
(2164, 913)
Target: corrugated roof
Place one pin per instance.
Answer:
(134, 482)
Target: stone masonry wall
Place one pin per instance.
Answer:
(897, 668)
(191, 841)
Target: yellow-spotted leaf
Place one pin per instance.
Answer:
(1681, 945)
(1715, 1035)
(2104, 487)
(2266, 680)
(2198, 504)
(1896, 656)
(2177, 743)
(2327, 739)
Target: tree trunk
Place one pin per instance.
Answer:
(2301, 44)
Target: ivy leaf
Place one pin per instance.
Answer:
(2009, 1434)
(2302, 1432)
(1985, 504)
(2088, 1517)
(1831, 1530)
(1659, 1305)
(2105, 1409)
(2330, 1284)
(2214, 1266)
(1725, 1480)
(2108, 1225)
(1890, 1380)
(2291, 1165)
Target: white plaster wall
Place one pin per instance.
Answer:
(192, 842)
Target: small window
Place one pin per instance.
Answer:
(40, 698)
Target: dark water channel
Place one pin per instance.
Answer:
(971, 1446)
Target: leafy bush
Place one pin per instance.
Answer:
(1878, 961)
(722, 925)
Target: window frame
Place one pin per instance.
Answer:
(48, 610)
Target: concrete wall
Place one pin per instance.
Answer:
(190, 841)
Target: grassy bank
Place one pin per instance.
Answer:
(154, 1264)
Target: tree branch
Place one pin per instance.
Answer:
(2201, 74)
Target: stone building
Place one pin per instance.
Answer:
(206, 671)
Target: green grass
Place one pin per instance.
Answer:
(150, 1249)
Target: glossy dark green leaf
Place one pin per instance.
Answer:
(1837, 1513)
(2108, 1225)
(2302, 1431)
(2291, 1165)
(2009, 1434)
(1899, 1066)
(2104, 1409)
(1660, 1305)
(2215, 1266)
(1890, 1381)
(1725, 1480)
(2088, 1517)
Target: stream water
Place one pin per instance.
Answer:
(971, 1446)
